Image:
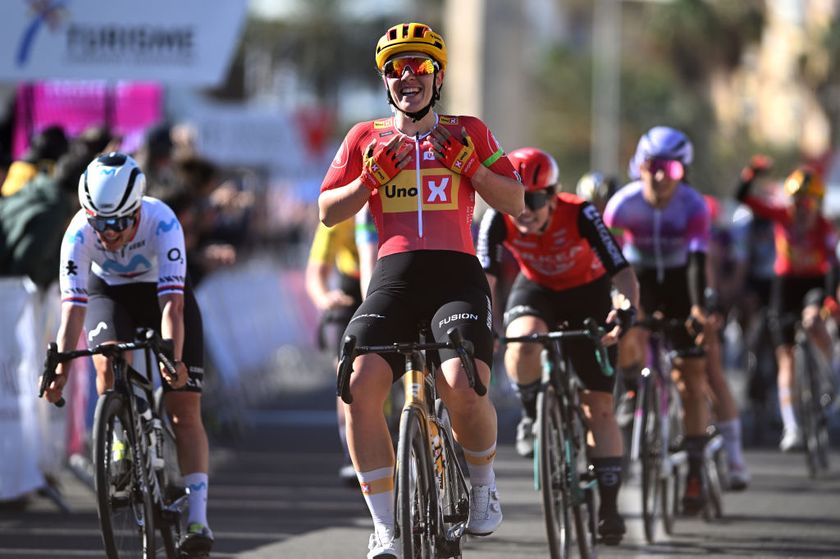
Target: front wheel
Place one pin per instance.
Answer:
(416, 490)
(651, 453)
(123, 496)
(553, 473)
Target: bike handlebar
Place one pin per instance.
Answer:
(464, 349)
(591, 330)
(147, 338)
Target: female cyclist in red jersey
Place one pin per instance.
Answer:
(568, 263)
(805, 245)
(419, 172)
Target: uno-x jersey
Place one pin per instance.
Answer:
(803, 253)
(155, 254)
(659, 238)
(448, 198)
(574, 249)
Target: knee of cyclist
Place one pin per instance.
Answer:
(463, 400)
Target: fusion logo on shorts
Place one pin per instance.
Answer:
(458, 316)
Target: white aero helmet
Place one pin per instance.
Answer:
(112, 186)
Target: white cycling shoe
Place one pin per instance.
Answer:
(791, 440)
(485, 510)
(383, 545)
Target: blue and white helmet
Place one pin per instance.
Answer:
(661, 142)
(112, 186)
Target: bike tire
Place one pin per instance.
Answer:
(821, 435)
(415, 484)
(650, 451)
(553, 473)
(124, 501)
(667, 491)
(455, 495)
(167, 522)
(714, 487)
(806, 406)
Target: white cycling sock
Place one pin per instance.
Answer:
(378, 490)
(197, 495)
(786, 409)
(480, 465)
(731, 432)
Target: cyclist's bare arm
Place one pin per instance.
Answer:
(72, 323)
(337, 204)
(500, 192)
(318, 289)
(626, 283)
(172, 327)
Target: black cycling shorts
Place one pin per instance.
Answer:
(788, 296)
(670, 297)
(114, 313)
(568, 309)
(421, 289)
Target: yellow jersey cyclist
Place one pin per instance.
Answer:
(419, 171)
(568, 263)
(804, 271)
(123, 266)
(663, 225)
(344, 249)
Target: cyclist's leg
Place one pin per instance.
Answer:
(786, 307)
(380, 320)
(184, 408)
(525, 315)
(604, 440)
(814, 324)
(727, 417)
(474, 421)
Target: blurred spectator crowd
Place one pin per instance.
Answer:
(39, 196)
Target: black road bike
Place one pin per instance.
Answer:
(131, 434)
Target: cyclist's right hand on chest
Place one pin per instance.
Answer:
(384, 163)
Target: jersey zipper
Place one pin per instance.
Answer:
(419, 185)
(657, 245)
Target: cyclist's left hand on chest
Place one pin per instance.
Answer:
(458, 154)
(183, 373)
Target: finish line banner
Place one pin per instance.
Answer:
(187, 42)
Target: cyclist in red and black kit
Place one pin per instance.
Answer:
(568, 262)
(419, 172)
(805, 257)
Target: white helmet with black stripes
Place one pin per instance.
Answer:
(112, 186)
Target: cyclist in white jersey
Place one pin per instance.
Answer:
(123, 266)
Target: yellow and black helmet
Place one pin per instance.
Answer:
(410, 37)
(805, 181)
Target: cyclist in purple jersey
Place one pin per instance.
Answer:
(664, 225)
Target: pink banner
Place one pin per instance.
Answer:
(127, 108)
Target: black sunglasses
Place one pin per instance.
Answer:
(118, 224)
(536, 200)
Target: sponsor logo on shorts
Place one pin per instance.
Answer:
(458, 316)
